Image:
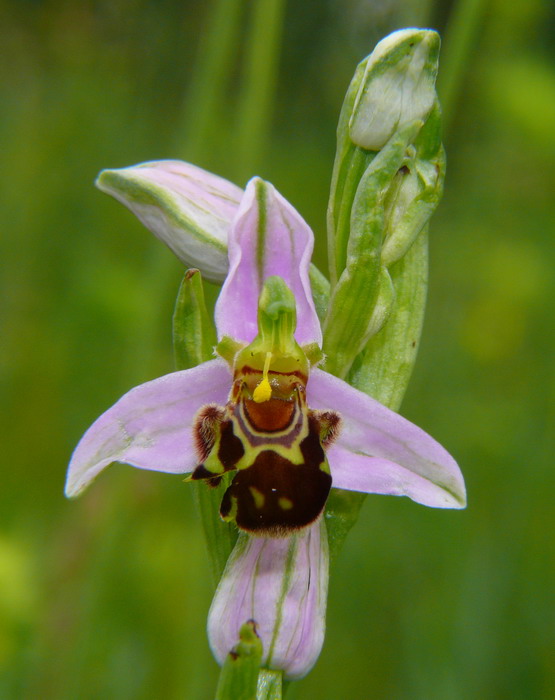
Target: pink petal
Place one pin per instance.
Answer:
(150, 426)
(186, 207)
(379, 451)
(357, 472)
(281, 584)
(267, 238)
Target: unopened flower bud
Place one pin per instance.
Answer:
(186, 207)
(398, 86)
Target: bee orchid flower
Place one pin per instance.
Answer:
(265, 416)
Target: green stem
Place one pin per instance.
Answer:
(269, 685)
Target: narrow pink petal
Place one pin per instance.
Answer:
(268, 237)
(281, 584)
(186, 207)
(150, 426)
(370, 430)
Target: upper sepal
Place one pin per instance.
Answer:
(268, 237)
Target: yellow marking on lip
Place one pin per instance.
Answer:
(259, 498)
(232, 515)
(285, 503)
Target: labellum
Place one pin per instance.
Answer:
(266, 432)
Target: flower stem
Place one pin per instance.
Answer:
(269, 685)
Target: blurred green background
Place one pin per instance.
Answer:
(107, 596)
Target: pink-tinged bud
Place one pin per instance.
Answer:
(281, 584)
(186, 207)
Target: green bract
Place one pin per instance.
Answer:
(239, 676)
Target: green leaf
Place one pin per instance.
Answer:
(220, 536)
(383, 370)
(194, 337)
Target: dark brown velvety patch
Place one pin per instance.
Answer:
(311, 449)
(231, 448)
(201, 472)
(275, 497)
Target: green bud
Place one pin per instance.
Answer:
(380, 202)
(351, 162)
(385, 301)
(384, 367)
(398, 86)
(391, 88)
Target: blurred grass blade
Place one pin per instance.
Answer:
(259, 83)
(459, 44)
(212, 72)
